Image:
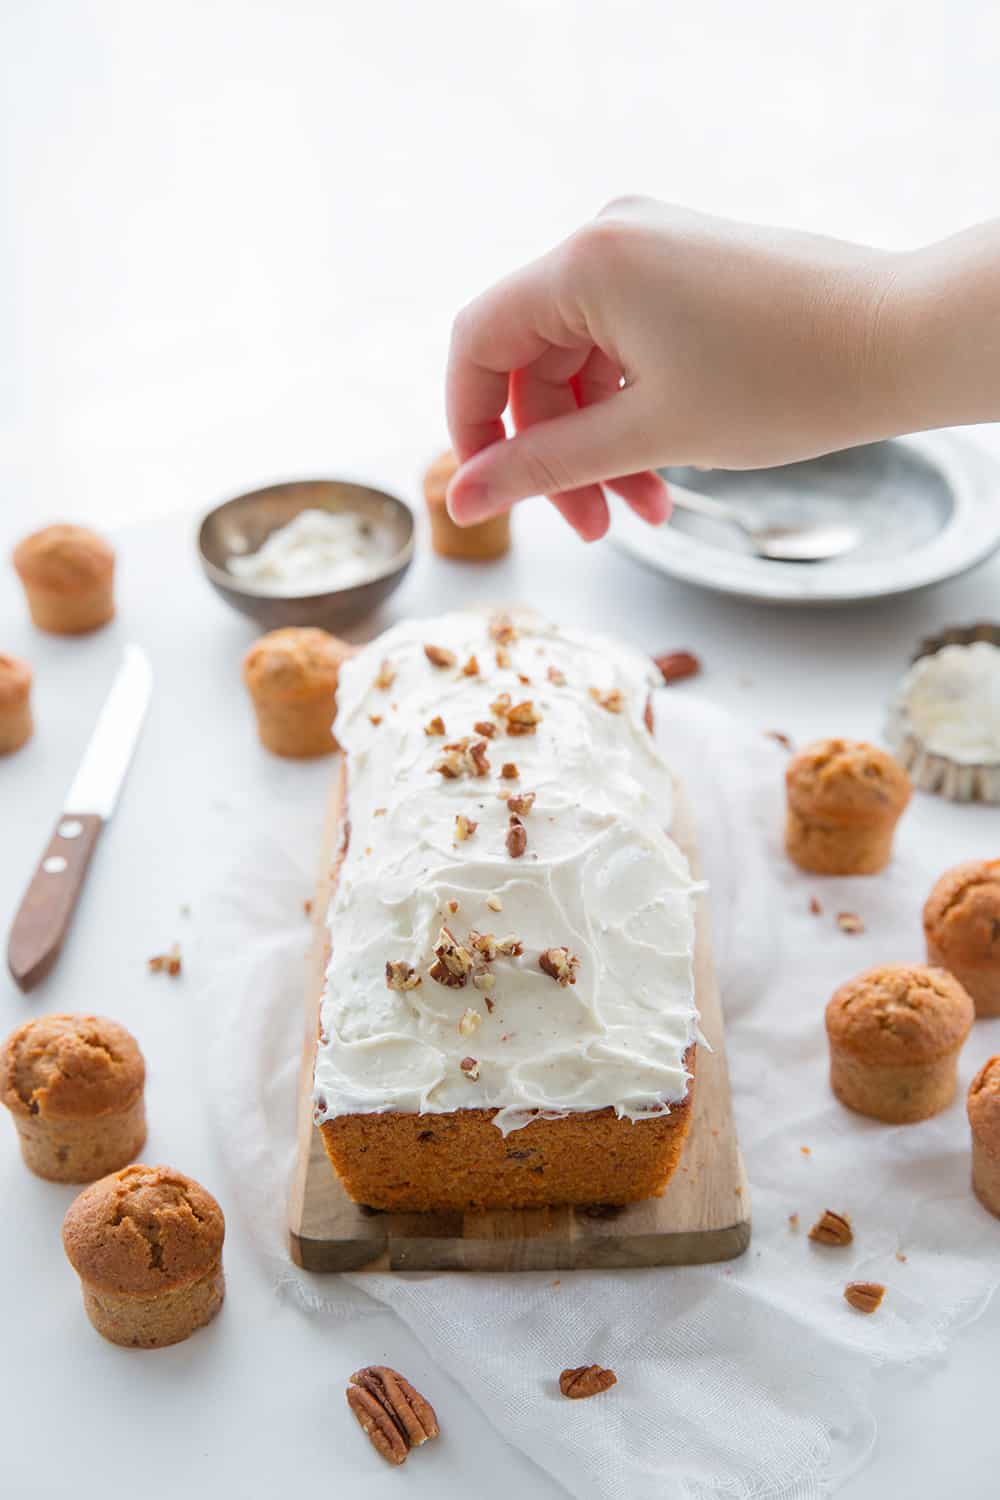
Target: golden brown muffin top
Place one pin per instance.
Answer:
(15, 680)
(962, 912)
(983, 1104)
(900, 1014)
(143, 1230)
(70, 1068)
(438, 477)
(846, 780)
(65, 558)
(297, 662)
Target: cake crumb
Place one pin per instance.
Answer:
(901, 1256)
(815, 907)
(849, 921)
(806, 1151)
(166, 963)
(307, 907)
(793, 1221)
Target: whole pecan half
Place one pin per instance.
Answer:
(393, 1415)
(866, 1296)
(675, 665)
(586, 1380)
(832, 1229)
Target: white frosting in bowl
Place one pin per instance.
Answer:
(600, 877)
(950, 702)
(314, 553)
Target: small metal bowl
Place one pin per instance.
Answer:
(241, 526)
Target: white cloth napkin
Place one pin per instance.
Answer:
(746, 1379)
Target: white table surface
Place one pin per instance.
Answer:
(234, 238)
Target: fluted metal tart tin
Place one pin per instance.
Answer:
(959, 781)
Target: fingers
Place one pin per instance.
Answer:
(506, 329)
(646, 493)
(544, 390)
(568, 452)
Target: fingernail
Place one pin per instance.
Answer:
(470, 504)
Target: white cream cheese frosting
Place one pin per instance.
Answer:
(316, 551)
(950, 702)
(601, 895)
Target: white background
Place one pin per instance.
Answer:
(234, 236)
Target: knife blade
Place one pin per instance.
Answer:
(43, 918)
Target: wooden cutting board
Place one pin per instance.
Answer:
(704, 1215)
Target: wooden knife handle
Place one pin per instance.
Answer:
(46, 911)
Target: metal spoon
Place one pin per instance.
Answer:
(779, 543)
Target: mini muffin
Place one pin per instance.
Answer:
(146, 1243)
(895, 1034)
(292, 677)
(984, 1118)
(15, 704)
(962, 928)
(74, 1085)
(844, 801)
(482, 542)
(68, 574)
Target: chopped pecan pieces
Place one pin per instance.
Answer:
(524, 679)
(167, 963)
(793, 1221)
(485, 727)
(510, 946)
(517, 837)
(609, 698)
(560, 964)
(453, 907)
(866, 1296)
(675, 665)
(832, 1229)
(849, 921)
(464, 827)
(470, 1067)
(502, 656)
(483, 943)
(454, 963)
(501, 705)
(400, 975)
(521, 803)
(375, 719)
(435, 726)
(494, 903)
(379, 812)
(484, 980)
(386, 676)
(586, 1380)
(815, 907)
(440, 656)
(509, 771)
(502, 629)
(471, 668)
(393, 1415)
(556, 675)
(522, 718)
(467, 757)
(469, 1022)
(783, 740)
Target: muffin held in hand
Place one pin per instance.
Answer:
(895, 1034)
(146, 1244)
(74, 1085)
(962, 928)
(292, 677)
(984, 1117)
(844, 801)
(68, 575)
(15, 704)
(482, 542)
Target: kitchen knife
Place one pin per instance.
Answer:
(44, 915)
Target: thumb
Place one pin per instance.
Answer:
(582, 447)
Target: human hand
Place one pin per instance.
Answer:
(656, 336)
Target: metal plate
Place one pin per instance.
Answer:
(929, 507)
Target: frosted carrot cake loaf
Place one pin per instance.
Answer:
(509, 1012)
